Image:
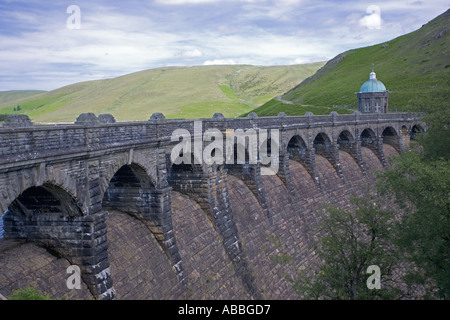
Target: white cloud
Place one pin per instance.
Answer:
(373, 19)
(220, 62)
(116, 39)
(181, 2)
(194, 53)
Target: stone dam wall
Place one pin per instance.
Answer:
(275, 250)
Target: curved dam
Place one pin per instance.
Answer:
(274, 249)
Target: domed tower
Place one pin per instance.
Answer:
(373, 96)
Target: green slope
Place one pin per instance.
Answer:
(178, 92)
(414, 67)
(17, 95)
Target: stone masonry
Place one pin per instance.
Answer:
(63, 187)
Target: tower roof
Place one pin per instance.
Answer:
(372, 85)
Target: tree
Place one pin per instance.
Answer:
(420, 184)
(419, 181)
(353, 240)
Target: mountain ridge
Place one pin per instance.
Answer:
(414, 67)
(178, 92)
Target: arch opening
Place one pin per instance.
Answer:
(38, 212)
(345, 137)
(47, 199)
(130, 190)
(390, 137)
(417, 132)
(368, 138)
(389, 132)
(297, 148)
(322, 144)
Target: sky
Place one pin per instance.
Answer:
(45, 45)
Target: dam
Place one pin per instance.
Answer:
(105, 196)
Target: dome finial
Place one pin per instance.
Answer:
(373, 75)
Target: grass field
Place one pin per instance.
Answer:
(178, 92)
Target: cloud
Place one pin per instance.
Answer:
(39, 52)
(194, 53)
(220, 62)
(373, 20)
(183, 2)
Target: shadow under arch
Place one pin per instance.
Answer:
(324, 147)
(417, 132)
(368, 139)
(47, 199)
(391, 137)
(347, 143)
(298, 151)
(132, 191)
(50, 217)
(46, 202)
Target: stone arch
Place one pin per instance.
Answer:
(132, 191)
(390, 136)
(129, 190)
(36, 204)
(347, 143)
(112, 167)
(367, 137)
(21, 180)
(297, 148)
(321, 139)
(416, 132)
(323, 146)
(249, 172)
(370, 140)
(345, 136)
(48, 199)
(299, 134)
(51, 217)
(389, 131)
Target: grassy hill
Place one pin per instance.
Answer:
(17, 95)
(414, 67)
(178, 92)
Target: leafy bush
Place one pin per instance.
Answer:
(29, 293)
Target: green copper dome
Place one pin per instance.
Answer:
(372, 85)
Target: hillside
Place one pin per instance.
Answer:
(414, 67)
(178, 92)
(17, 95)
